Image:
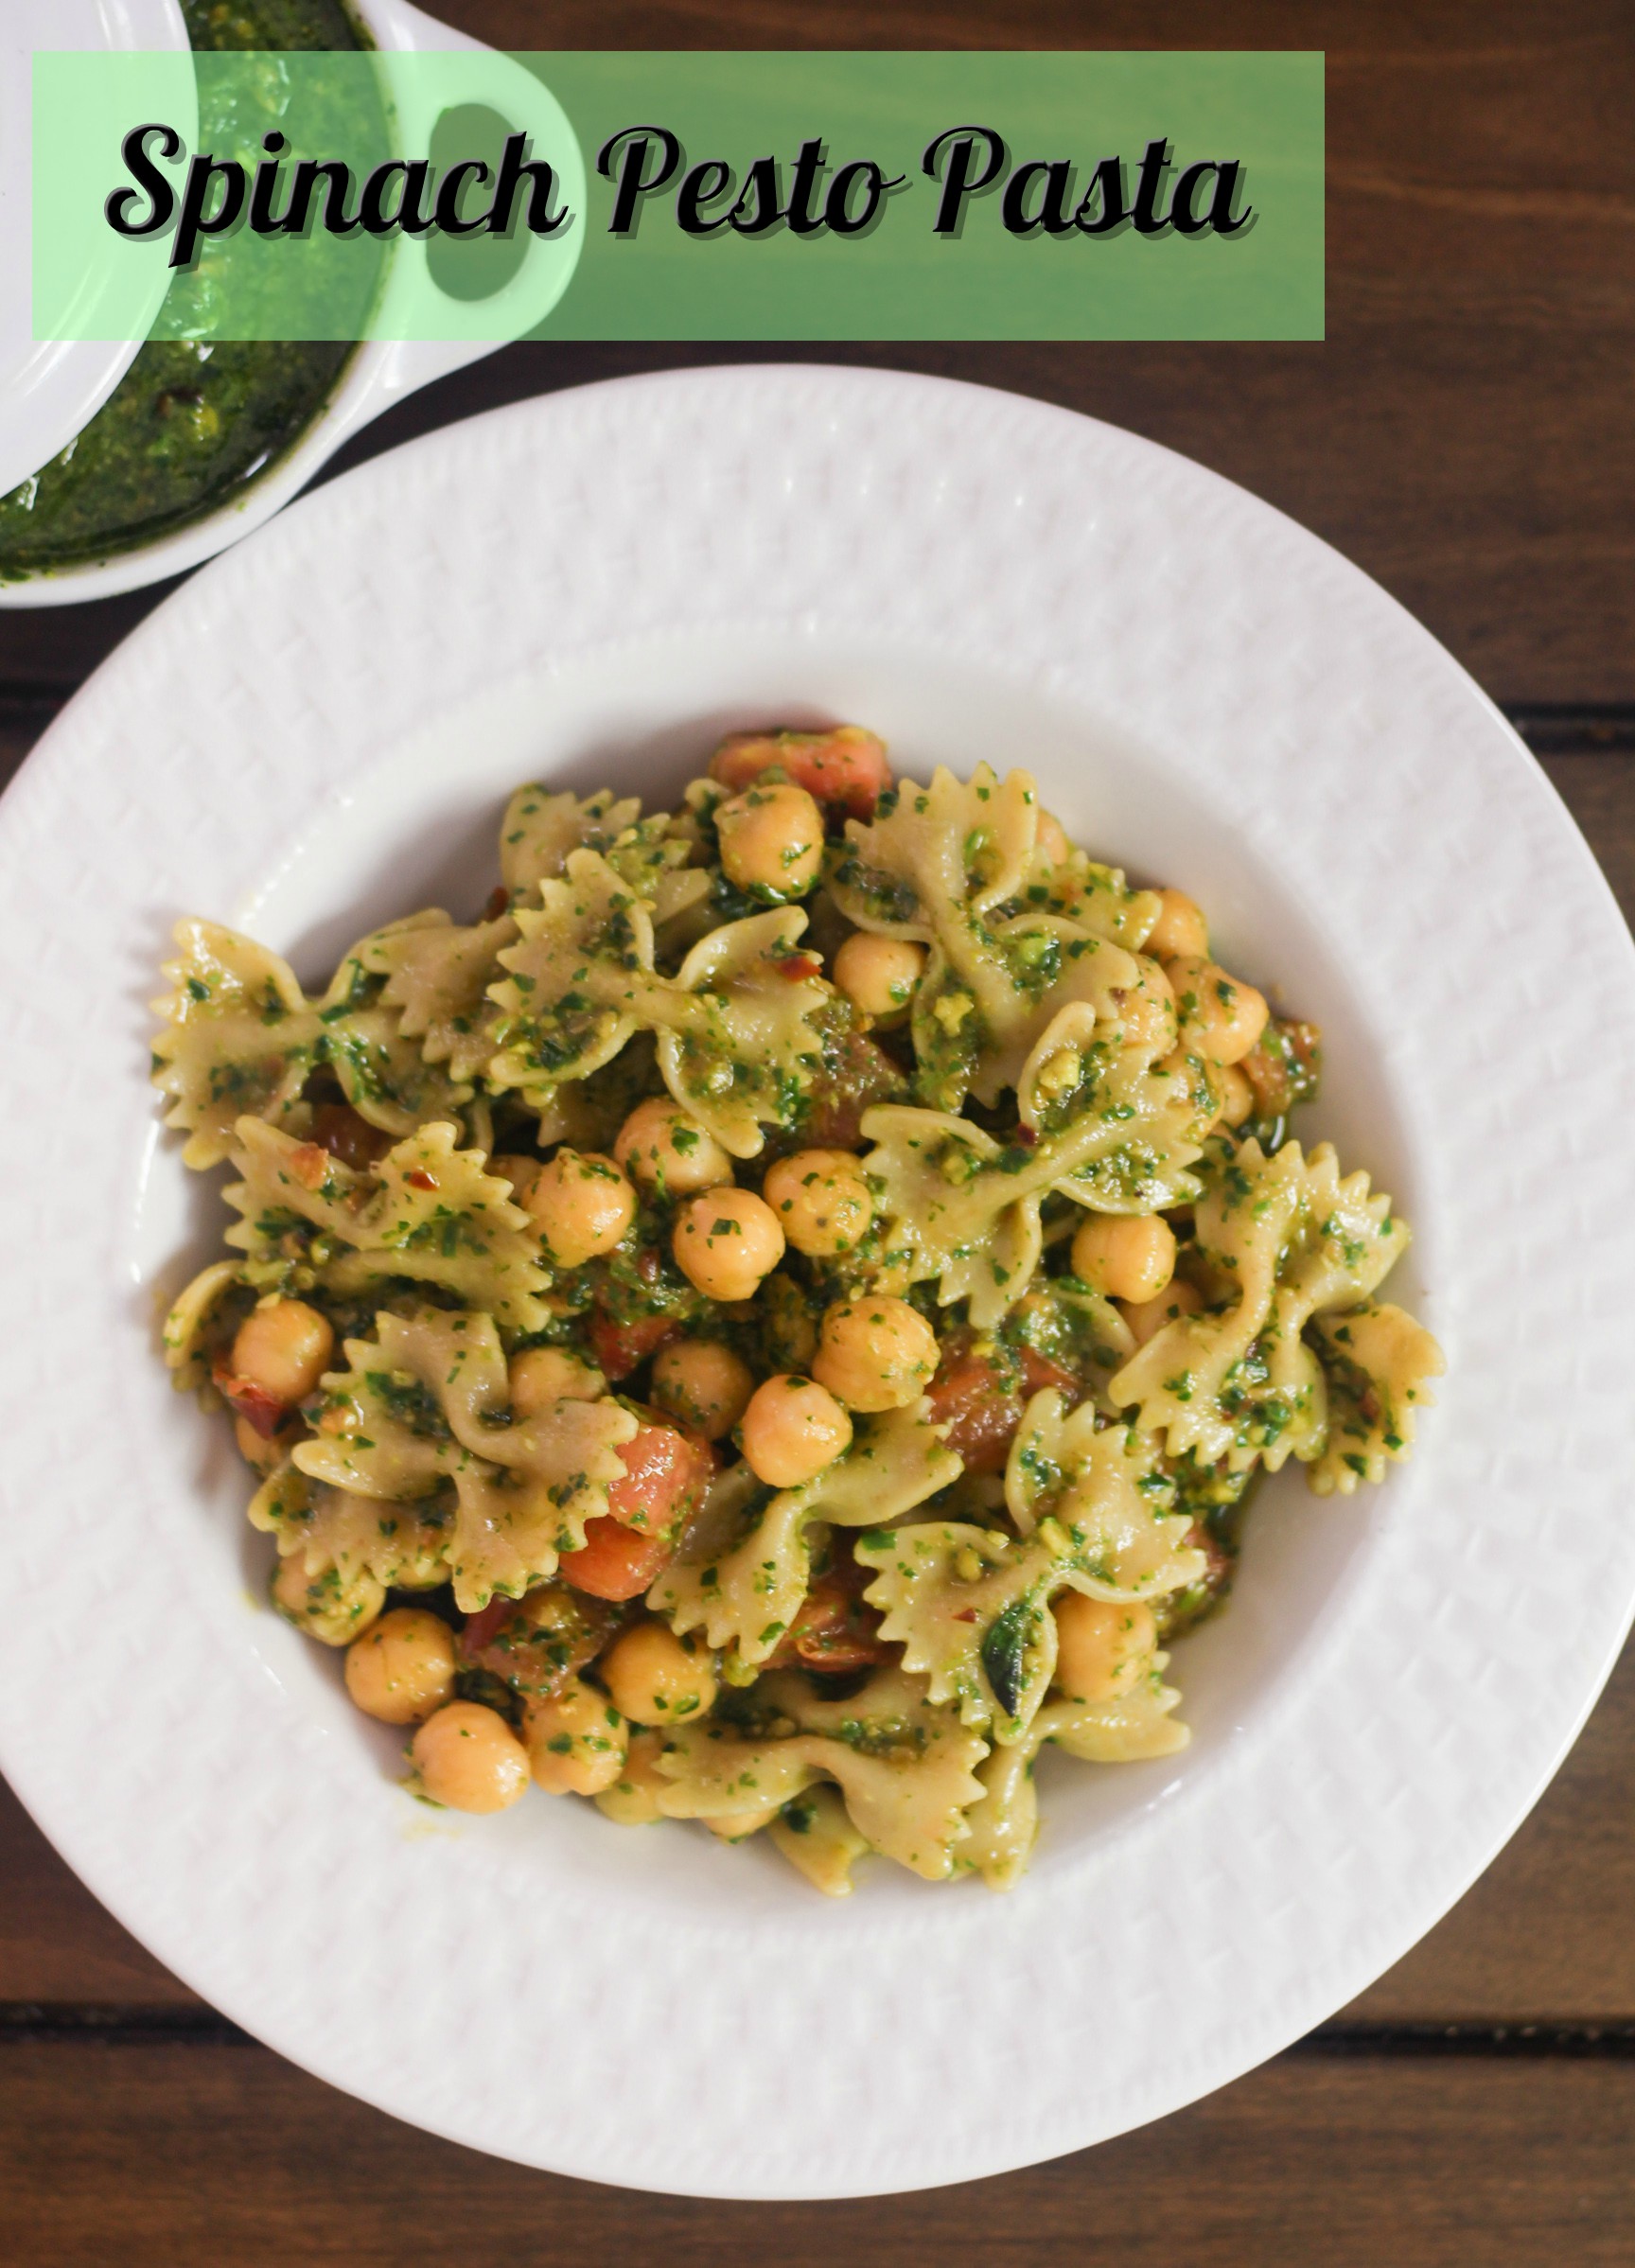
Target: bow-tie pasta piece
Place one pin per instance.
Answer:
(365, 1542)
(745, 1590)
(1103, 1126)
(816, 1835)
(969, 1606)
(427, 1213)
(736, 1040)
(1132, 1728)
(905, 1770)
(1292, 1241)
(240, 1037)
(384, 1073)
(542, 826)
(428, 1403)
(1378, 1361)
(931, 867)
(437, 981)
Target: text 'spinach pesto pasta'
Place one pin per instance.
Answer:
(775, 1322)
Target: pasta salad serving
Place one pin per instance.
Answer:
(774, 1324)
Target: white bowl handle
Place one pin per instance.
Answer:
(475, 74)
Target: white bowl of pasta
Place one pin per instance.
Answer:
(765, 1325)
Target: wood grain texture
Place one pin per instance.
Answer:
(224, 2157)
(1463, 433)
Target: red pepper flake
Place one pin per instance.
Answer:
(420, 1179)
(499, 903)
(1027, 1135)
(796, 965)
(966, 1615)
(251, 1402)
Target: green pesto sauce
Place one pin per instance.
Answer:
(189, 426)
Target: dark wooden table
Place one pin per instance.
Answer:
(1466, 434)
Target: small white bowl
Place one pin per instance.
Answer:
(380, 373)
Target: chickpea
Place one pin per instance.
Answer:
(632, 1801)
(582, 1203)
(1124, 1259)
(254, 1448)
(821, 1198)
(549, 1374)
(875, 1354)
(1237, 1096)
(1220, 1015)
(1051, 839)
(1147, 1317)
(726, 1241)
(656, 1678)
(702, 1383)
(332, 1610)
(1101, 1650)
(468, 1757)
(660, 1144)
(576, 1741)
(1180, 928)
(283, 1347)
(878, 974)
(403, 1668)
(792, 1429)
(771, 840)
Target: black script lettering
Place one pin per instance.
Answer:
(626, 152)
(837, 214)
(154, 184)
(803, 188)
(703, 184)
(515, 168)
(760, 204)
(407, 215)
(1219, 216)
(1105, 207)
(1052, 216)
(337, 178)
(449, 190)
(264, 220)
(957, 181)
(197, 220)
(1150, 190)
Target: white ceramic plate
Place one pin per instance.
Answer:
(318, 731)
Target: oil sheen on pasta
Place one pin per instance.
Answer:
(773, 1322)
(190, 425)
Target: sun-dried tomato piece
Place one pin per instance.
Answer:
(981, 1411)
(666, 1471)
(339, 1129)
(536, 1644)
(617, 1562)
(836, 1628)
(622, 1347)
(847, 765)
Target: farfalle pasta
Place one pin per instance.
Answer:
(775, 1321)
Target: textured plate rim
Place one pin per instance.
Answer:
(947, 441)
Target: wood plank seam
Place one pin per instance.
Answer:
(1549, 728)
(50, 2022)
